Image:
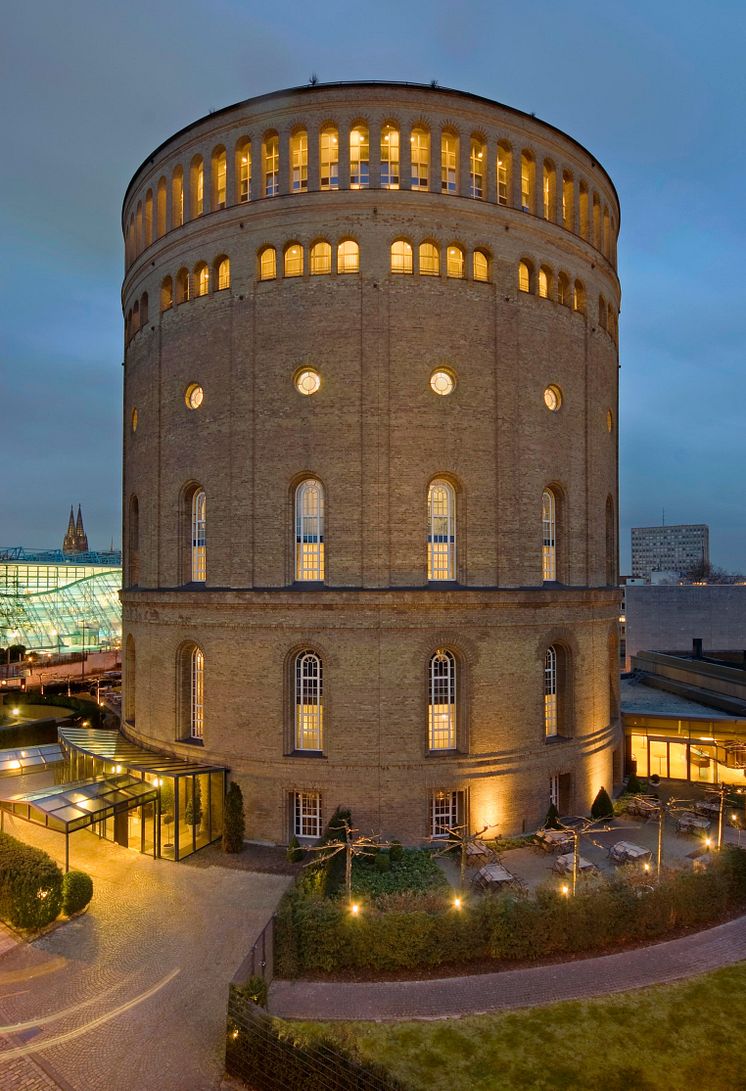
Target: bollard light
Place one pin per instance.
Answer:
(354, 909)
(457, 903)
(565, 889)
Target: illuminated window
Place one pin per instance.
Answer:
(223, 271)
(197, 708)
(550, 693)
(309, 531)
(441, 531)
(219, 177)
(149, 217)
(445, 810)
(420, 145)
(553, 398)
(135, 421)
(448, 163)
(455, 262)
(596, 221)
(348, 257)
(177, 197)
(524, 276)
(567, 201)
(243, 170)
(442, 381)
(299, 162)
(609, 421)
(476, 168)
(429, 260)
(183, 286)
(583, 210)
(309, 704)
(545, 282)
(563, 290)
(271, 164)
(481, 265)
(549, 192)
(549, 531)
(194, 396)
(578, 296)
(389, 157)
(201, 278)
(197, 187)
(527, 182)
(442, 702)
(138, 228)
(160, 208)
(359, 158)
(167, 294)
(199, 526)
(401, 257)
(329, 159)
(307, 381)
(503, 174)
(268, 263)
(321, 258)
(306, 807)
(294, 260)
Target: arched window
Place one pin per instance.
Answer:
(309, 702)
(596, 221)
(455, 262)
(294, 260)
(167, 294)
(567, 200)
(481, 265)
(527, 182)
(546, 282)
(222, 268)
(160, 216)
(309, 531)
(504, 164)
(321, 258)
(563, 290)
(138, 228)
(610, 543)
(136, 317)
(448, 162)
(149, 217)
(549, 536)
(359, 157)
(429, 260)
(578, 297)
(128, 327)
(476, 167)
(130, 244)
(271, 164)
(219, 177)
(183, 286)
(130, 679)
(610, 320)
(401, 256)
(551, 718)
(243, 169)
(442, 701)
(133, 543)
(583, 210)
(197, 692)
(268, 263)
(557, 692)
(524, 276)
(197, 187)
(299, 161)
(602, 313)
(607, 232)
(389, 157)
(199, 537)
(420, 146)
(329, 158)
(549, 190)
(201, 278)
(143, 310)
(348, 257)
(441, 530)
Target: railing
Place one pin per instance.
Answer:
(260, 960)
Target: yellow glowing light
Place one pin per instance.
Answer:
(354, 909)
(647, 867)
(117, 768)
(733, 818)
(234, 1034)
(15, 765)
(708, 841)
(565, 889)
(456, 903)
(15, 711)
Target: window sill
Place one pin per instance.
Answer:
(189, 741)
(552, 740)
(306, 754)
(450, 752)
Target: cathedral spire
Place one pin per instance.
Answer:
(68, 545)
(81, 539)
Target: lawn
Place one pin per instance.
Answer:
(672, 1037)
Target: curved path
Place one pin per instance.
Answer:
(479, 993)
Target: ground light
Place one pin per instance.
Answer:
(457, 903)
(565, 889)
(354, 909)
(15, 711)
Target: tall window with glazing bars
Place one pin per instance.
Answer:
(199, 537)
(442, 701)
(309, 531)
(441, 531)
(309, 704)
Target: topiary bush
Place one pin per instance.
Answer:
(234, 823)
(633, 784)
(602, 806)
(551, 821)
(30, 885)
(294, 852)
(77, 891)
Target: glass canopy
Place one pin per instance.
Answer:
(31, 759)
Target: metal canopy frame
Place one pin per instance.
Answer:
(30, 759)
(112, 747)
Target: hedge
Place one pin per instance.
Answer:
(314, 934)
(77, 891)
(30, 885)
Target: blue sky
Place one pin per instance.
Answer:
(656, 91)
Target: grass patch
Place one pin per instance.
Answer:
(664, 1038)
(416, 872)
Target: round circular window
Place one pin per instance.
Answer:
(553, 398)
(135, 419)
(307, 381)
(442, 381)
(194, 396)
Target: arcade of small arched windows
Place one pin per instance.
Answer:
(565, 290)
(188, 284)
(494, 171)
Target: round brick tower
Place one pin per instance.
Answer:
(370, 460)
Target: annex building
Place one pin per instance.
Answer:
(370, 460)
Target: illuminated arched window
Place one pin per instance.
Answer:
(138, 228)
(222, 273)
(441, 531)
(329, 158)
(197, 187)
(271, 165)
(144, 310)
(481, 265)
(607, 230)
(359, 157)
(299, 162)
(551, 718)
(177, 197)
(183, 286)
(504, 171)
(309, 531)
(294, 260)
(549, 532)
(567, 200)
(527, 182)
(219, 177)
(476, 167)
(167, 294)
(546, 282)
(563, 290)
(321, 258)
(596, 221)
(348, 257)
(549, 190)
(584, 223)
(197, 708)
(389, 157)
(201, 278)
(243, 169)
(199, 538)
(455, 262)
(309, 702)
(578, 296)
(420, 150)
(149, 217)
(160, 215)
(524, 276)
(268, 263)
(401, 256)
(429, 260)
(449, 163)
(441, 711)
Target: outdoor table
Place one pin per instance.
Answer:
(493, 874)
(563, 864)
(643, 807)
(707, 807)
(689, 822)
(624, 852)
(477, 850)
(551, 840)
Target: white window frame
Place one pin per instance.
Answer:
(444, 812)
(221, 179)
(549, 536)
(441, 531)
(448, 163)
(476, 169)
(390, 157)
(309, 702)
(329, 159)
(309, 531)
(359, 157)
(198, 556)
(197, 694)
(441, 706)
(244, 174)
(299, 162)
(271, 157)
(554, 789)
(502, 178)
(306, 814)
(550, 693)
(420, 159)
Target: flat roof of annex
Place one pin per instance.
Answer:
(311, 89)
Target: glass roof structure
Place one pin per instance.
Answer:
(31, 759)
(112, 747)
(71, 807)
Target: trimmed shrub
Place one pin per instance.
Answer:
(30, 885)
(396, 851)
(633, 785)
(294, 852)
(602, 806)
(77, 891)
(233, 819)
(382, 862)
(551, 822)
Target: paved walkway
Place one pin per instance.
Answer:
(480, 993)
